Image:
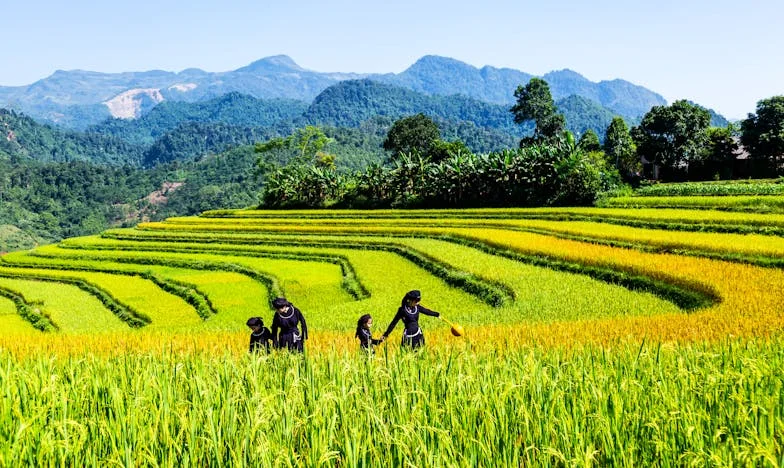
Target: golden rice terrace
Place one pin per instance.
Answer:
(547, 276)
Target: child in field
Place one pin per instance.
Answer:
(260, 336)
(366, 340)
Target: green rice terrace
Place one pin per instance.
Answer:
(593, 336)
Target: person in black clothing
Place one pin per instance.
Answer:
(409, 313)
(260, 336)
(366, 340)
(286, 319)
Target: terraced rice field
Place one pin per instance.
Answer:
(602, 336)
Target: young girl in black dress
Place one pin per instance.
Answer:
(366, 340)
(260, 336)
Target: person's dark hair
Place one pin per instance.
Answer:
(410, 296)
(255, 322)
(361, 324)
(279, 302)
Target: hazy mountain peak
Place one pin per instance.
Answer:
(428, 63)
(274, 63)
(565, 74)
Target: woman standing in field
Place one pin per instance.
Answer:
(286, 321)
(408, 312)
(366, 340)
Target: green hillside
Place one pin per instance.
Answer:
(25, 139)
(233, 109)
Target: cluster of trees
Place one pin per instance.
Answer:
(671, 143)
(46, 201)
(231, 109)
(549, 168)
(556, 172)
(23, 138)
(678, 143)
(49, 201)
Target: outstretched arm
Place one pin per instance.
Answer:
(426, 311)
(393, 324)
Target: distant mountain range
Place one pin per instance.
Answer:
(183, 131)
(78, 99)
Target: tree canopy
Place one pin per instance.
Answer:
(762, 133)
(672, 136)
(412, 134)
(534, 102)
(620, 149)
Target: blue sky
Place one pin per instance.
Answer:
(724, 55)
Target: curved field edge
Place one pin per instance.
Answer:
(124, 312)
(489, 291)
(188, 292)
(673, 217)
(687, 296)
(28, 310)
(764, 249)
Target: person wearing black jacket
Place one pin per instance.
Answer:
(409, 313)
(285, 331)
(366, 340)
(260, 336)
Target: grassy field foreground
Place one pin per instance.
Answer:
(719, 404)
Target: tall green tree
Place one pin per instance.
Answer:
(718, 155)
(762, 134)
(416, 133)
(620, 150)
(589, 142)
(308, 175)
(441, 150)
(303, 145)
(672, 137)
(535, 102)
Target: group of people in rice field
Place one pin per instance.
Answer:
(289, 330)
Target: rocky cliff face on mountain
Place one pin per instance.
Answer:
(78, 98)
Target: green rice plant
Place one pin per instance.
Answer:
(666, 214)
(751, 203)
(740, 245)
(350, 281)
(492, 292)
(640, 405)
(655, 218)
(190, 294)
(191, 282)
(314, 283)
(231, 297)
